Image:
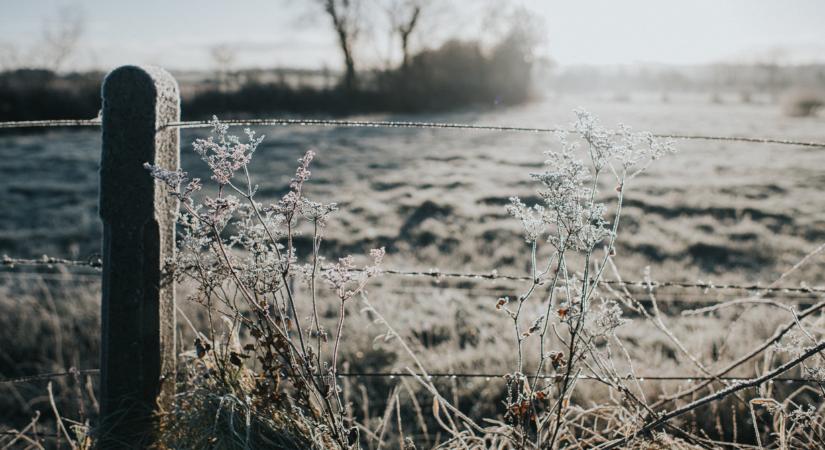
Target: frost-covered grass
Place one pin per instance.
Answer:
(446, 208)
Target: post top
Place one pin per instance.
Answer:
(137, 102)
(157, 76)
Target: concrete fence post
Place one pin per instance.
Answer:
(138, 303)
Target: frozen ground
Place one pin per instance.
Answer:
(435, 198)
(720, 211)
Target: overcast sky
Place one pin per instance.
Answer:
(178, 34)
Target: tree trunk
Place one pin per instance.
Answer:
(349, 64)
(346, 31)
(405, 31)
(405, 51)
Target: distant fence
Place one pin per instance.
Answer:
(140, 123)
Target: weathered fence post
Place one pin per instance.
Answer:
(138, 304)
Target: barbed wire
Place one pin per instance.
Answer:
(51, 123)
(491, 376)
(463, 126)
(394, 124)
(454, 292)
(629, 283)
(450, 375)
(46, 260)
(96, 263)
(48, 376)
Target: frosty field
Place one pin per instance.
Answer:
(726, 212)
(737, 211)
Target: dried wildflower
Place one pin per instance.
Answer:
(219, 209)
(609, 317)
(793, 344)
(532, 219)
(317, 213)
(346, 279)
(175, 180)
(803, 417)
(568, 190)
(815, 373)
(633, 151)
(227, 154)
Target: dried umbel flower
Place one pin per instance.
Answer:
(803, 417)
(815, 373)
(569, 216)
(346, 279)
(532, 219)
(316, 212)
(227, 154)
(609, 317)
(177, 180)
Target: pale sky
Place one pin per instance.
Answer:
(178, 34)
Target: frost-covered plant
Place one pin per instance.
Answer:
(242, 257)
(573, 221)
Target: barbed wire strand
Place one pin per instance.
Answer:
(630, 283)
(394, 124)
(51, 123)
(46, 260)
(491, 376)
(96, 263)
(48, 376)
(453, 292)
(489, 294)
(462, 126)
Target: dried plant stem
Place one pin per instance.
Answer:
(60, 426)
(664, 418)
(744, 358)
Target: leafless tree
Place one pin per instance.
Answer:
(61, 36)
(404, 15)
(347, 22)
